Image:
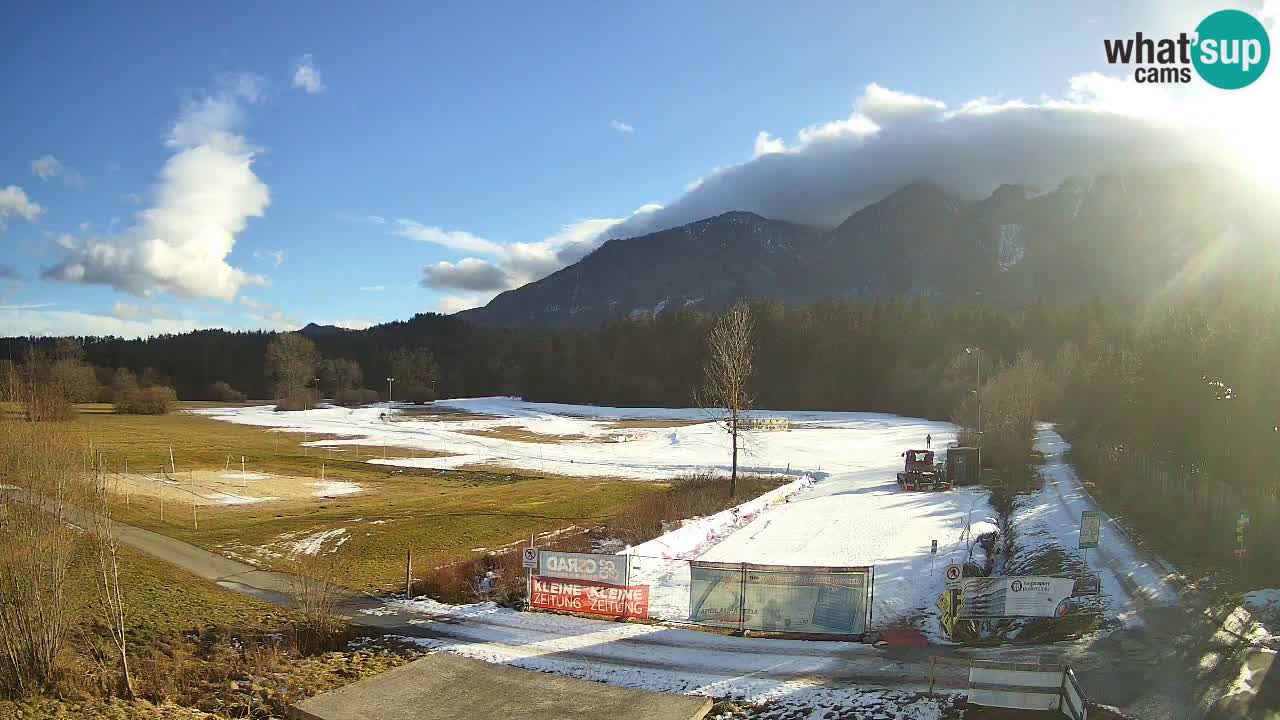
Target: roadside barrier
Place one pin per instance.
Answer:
(744, 597)
(1020, 686)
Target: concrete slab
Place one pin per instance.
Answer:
(443, 687)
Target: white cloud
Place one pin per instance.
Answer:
(456, 303)
(453, 239)
(882, 105)
(467, 274)
(49, 167)
(131, 312)
(765, 144)
(372, 288)
(37, 321)
(621, 127)
(275, 257)
(307, 77)
(267, 316)
(14, 202)
(892, 138)
(353, 323)
(519, 263)
(205, 195)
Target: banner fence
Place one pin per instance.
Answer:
(739, 596)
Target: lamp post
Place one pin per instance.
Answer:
(389, 381)
(317, 382)
(977, 352)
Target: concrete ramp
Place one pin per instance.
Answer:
(444, 687)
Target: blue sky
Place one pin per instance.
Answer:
(417, 136)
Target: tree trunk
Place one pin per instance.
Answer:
(126, 678)
(733, 478)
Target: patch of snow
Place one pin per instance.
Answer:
(657, 309)
(1050, 518)
(334, 488)
(314, 543)
(1267, 600)
(686, 662)
(230, 499)
(1012, 246)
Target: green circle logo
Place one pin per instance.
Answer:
(1232, 49)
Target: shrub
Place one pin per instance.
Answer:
(356, 397)
(294, 401)
(223, 392)
(155, 400)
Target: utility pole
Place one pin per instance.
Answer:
(977, 351)
(389, 381)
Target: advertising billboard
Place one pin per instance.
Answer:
(595, 567)
(1031, 596)
(584, 596)
(780, 598)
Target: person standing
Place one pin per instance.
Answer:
(928, 441)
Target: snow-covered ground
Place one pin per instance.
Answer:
(817, 441)
(785, 674)
(1131, 580)
(844, 509)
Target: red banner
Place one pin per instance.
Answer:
(584, 596)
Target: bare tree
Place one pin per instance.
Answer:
(41, 469)
(317, 597)
(291, 365)
(726, 373)
(106, 543)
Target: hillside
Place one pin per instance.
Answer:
(1129, 236)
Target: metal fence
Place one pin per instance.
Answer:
(784, 599)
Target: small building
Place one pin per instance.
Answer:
(962, 466)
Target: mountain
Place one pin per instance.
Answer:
(704, 265)
(1134, 234)
(314, 330)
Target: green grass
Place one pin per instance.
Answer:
(437, 514)
(163, 599)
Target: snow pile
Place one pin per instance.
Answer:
(695, 536)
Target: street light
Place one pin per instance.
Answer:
(317, 382)
(389, 381)
(976, 351)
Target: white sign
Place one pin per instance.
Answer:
(953, 575)
(1090, 529)
(596, 567)
(530, 558)
(1031, 596)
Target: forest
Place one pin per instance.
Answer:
(1195, 384)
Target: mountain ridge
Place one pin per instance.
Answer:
(1115, 233)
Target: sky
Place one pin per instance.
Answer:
(246, 165)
